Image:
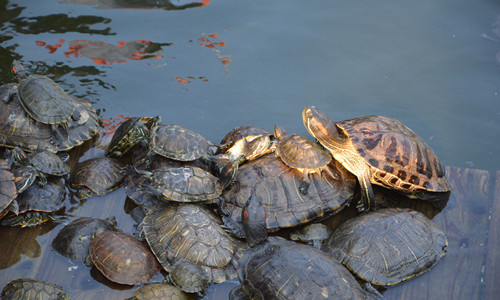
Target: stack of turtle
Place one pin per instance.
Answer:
(260, 182)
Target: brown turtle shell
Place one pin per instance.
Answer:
(101, 175)
(177, 142)
(192, 232)
(277, 185)
(300, 152)
(122, 258)
(8, 191)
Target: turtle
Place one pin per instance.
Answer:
(130, 133)
(45, 101)
(387, 246)
(245, 143)
(36, 204)
(278, 187)
(17, 128)
(188, 276)
(159, 290)
(8, 190)
(43, 163)
(380, 150)
(98, 176)
(176, 142)
(31, 289)
(302, 154)
(122, 258)
(176, 231)
(314, 234)
(73, 240)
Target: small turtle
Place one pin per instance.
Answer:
(159, 290)
(314, 234)
(17, 128)
(8, 191)
(302, 154)
(97, 176)
(188, 276)
(278, 186)
(122, 258)
(130, 133)
(30, 289)
(43, 163)
(30, 219)
(387, 246)
(245, 142)
(189, 231)
(380, 150)
(45, 101)
(73, 240)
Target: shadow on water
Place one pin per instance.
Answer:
(140, 4)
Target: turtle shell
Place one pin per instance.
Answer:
(314, 234)
(122, 258)
(100, 175)
(8, 191)
(188, 276)
(159, 290)
(398, 157)
(44, 100)
(282, 269)
(186, 184)
(48, 198)
(177, 142)
(191, 232)
(29, 289)
(387, 246)
(73, 240)
(49, 163)
(17, 128)
(277, 185)
(128, 134)
(300, 152)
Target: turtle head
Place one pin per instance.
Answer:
(84, 192)
(279, 132)
(28, 176)
(18, 70)
(318, 124)
(253, 218)
(18, 155)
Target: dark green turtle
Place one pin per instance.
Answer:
(30, 289)
(314, 234)
(159, 290)
(380, 150)
(188, 276)
(17, 128)
(97, 176)
(387, 246)
(122, 258)
(130, 133)
(74, 239)
(278, 186)
(192, 232)
(43, 163)
(8, 190)
(45, 101)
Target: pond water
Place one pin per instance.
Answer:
(213, 65)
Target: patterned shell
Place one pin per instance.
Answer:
(160, 290)
(74, 239)
(49, 163)
(29, 289)
(8, 191)
(48, 198)
(122, 258)
(401, 159)
(282, 269)
(192, 232)
(186, 184)
(387, 246)
(44, 100)
(17, 128)
(177, 142)
(300, 152)
(101, 175)
(277, 185)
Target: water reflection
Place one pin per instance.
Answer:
(141, 4)
(60, 23)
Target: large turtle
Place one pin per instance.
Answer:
(73, 240)
(278, 187)
(380, 150)
(17, 128)
(387, 246)
(8, 190)
(30, 289)
(130, 133)
(45, 101)
(192, 232)
(98, 176)
(122, 258)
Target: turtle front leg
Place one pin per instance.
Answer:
(57, 136)
(367, 200)
(42, 179)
